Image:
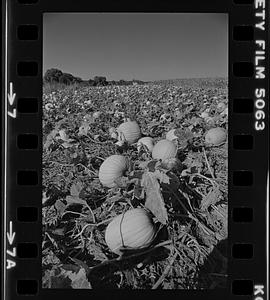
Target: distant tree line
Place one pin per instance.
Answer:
(57, 76)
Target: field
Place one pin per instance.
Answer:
(188, 199)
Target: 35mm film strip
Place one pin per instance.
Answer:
(58, 133)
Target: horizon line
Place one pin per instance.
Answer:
(152, 80)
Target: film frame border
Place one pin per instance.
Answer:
(26, 119)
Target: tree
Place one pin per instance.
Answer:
(66, 78)
(100, 81)
(77, 80)
(91, 82)
(124, 82)
(52, 75)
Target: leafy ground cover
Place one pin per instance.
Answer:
(189, 201)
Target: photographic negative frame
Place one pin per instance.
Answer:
(247, 143)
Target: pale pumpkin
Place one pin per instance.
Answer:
(147, 141)
(221, 106)
(164, 149)
(210, 121)
(216, 136)
(111, 169)
(129, 131)
(134, 229)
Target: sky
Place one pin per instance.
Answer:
(136, 46)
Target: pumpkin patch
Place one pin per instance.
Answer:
(135, 184)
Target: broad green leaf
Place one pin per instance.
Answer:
(154, 199)
(79, 280)
(96, 251)
(76, 189)
(211, 198)
(161, 176)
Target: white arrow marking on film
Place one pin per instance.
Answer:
(13, 114)
(11, 95)
(10, 234)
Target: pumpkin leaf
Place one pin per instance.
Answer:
(154, 199)
(79, 280)
(74, 200)
(84, 128)
(76, 188)
(50, 139)
(59, 231)
(143, 164)
(60, 207)
(152, 165)
(45, 198)
(162, 177)
(59, 282)
(81, 264)
(183, 137)
(88, 118)
(122, 181)
(96, 251)
(211, 198)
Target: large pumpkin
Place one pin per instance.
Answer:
(164, 149)
(215, 136)
(133, 229)
(112, 168)
(129, 131)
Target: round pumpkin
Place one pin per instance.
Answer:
(210, 121)
(133, 229)
(130, 131)
(215, 136)
(147, 141)
(48, 106)
(221, 106)
(164, 149)
(112, 168)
